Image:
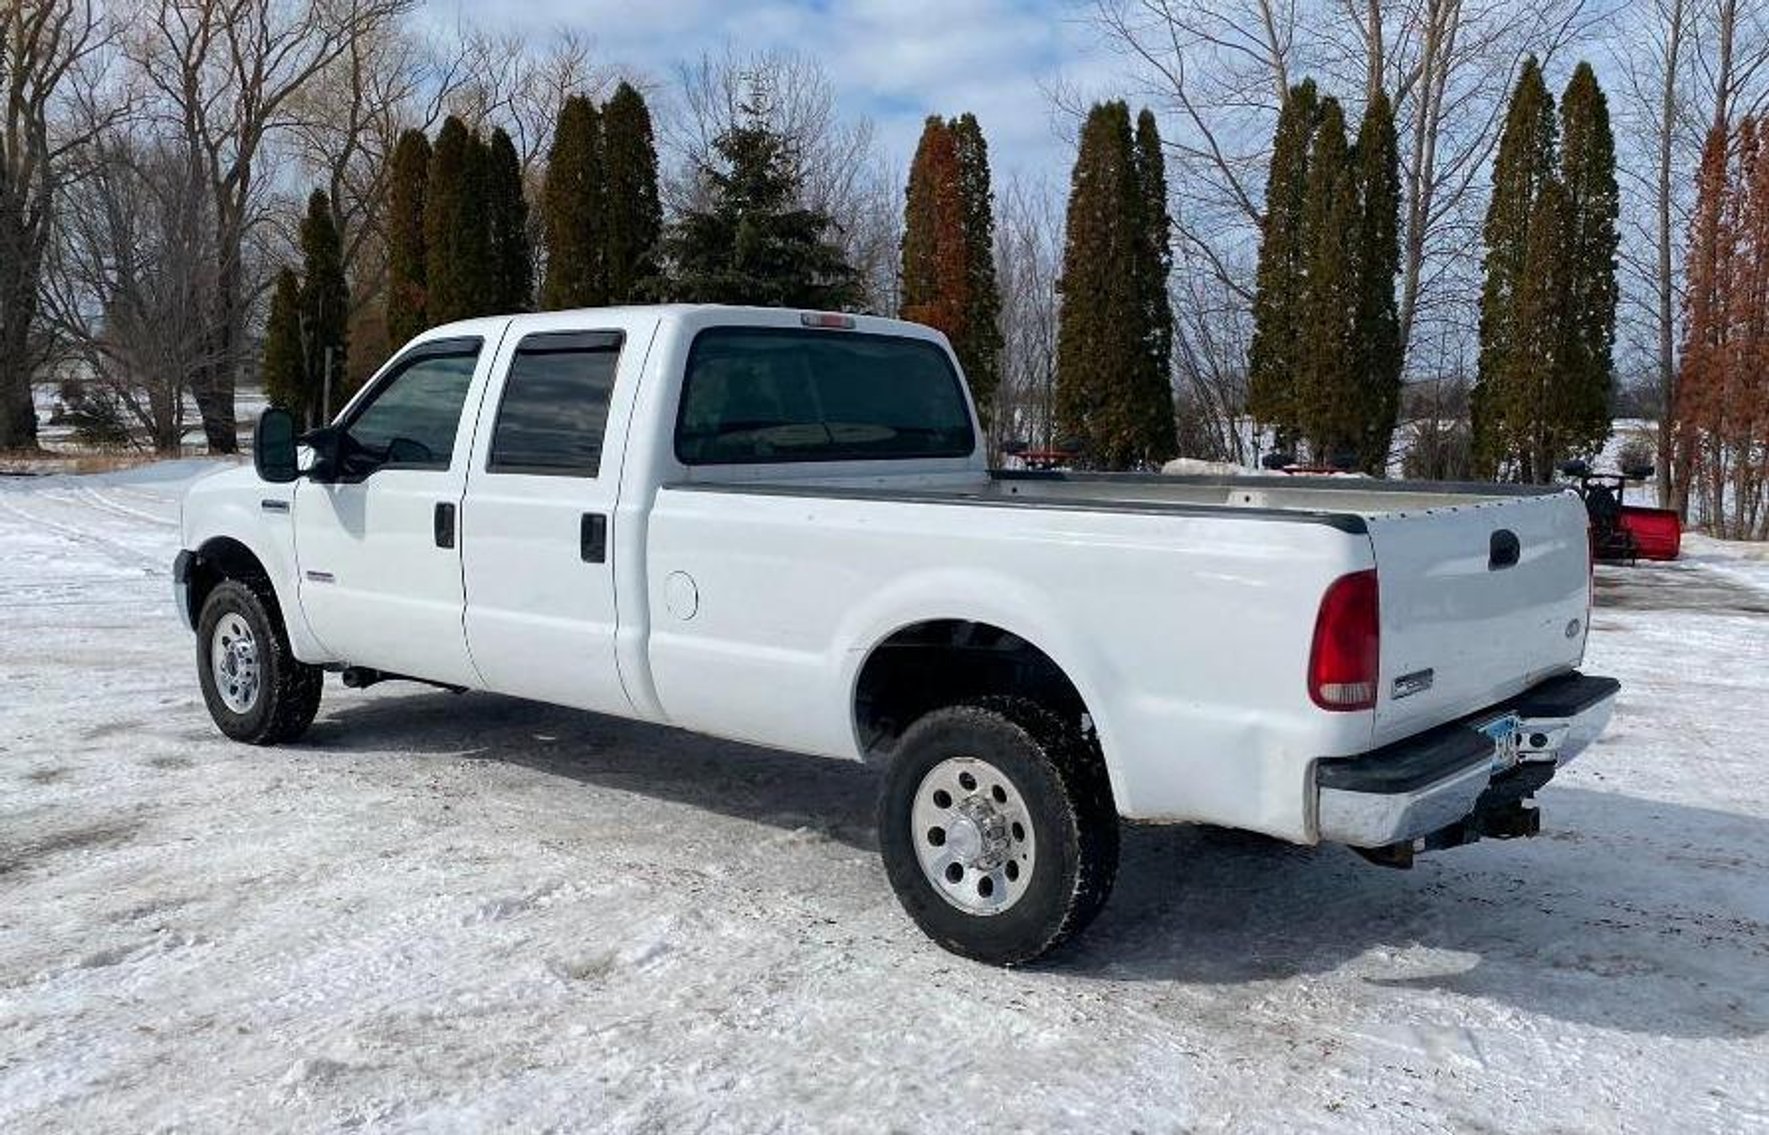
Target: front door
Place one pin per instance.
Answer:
(379, 554)
(538, 530)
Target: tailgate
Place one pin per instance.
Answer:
(1479, 602)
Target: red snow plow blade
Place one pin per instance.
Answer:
(1657, 532)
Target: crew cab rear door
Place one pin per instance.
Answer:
(538, 541)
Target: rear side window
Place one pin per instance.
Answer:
(555, 404)
(756, 395)
(419, 404)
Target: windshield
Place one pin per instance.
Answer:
(757, 395)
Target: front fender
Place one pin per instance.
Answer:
(236, 506)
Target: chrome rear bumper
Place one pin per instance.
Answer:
(1418, 787)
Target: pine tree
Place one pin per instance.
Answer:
(633, 224)
(936, 263)
(285, 367)
(572, 210)
(1152, 392)
(751, 243)
(325, 310)
(1273, 359)
(1377, 326)
(512, 260)
(457, 239)
(1103, 356)
(981, 347)
(1587, 170)
(1524, 165)
(406, 273)
(1326, 397)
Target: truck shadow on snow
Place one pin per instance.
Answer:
(1626, 913)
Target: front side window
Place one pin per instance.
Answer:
(756, 395)
(414, 414)
(555, 405)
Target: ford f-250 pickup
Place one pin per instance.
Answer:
(780, 527)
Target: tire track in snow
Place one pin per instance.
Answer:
(99, 499)
(119, 552)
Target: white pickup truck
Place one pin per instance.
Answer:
(780, 527)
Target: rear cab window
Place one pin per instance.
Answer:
(761, 395)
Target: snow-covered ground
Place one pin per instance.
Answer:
(460, 913)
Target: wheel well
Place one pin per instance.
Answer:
(219, 559)
(945, 661)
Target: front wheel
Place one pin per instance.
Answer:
(256, 689)
(998, 829)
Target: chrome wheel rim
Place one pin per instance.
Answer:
(233, 656)
(973, 835)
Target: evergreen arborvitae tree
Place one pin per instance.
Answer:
(1152, 393)
(751, 242)
(979, 351)
(1103, 356)
(1327, 374)
(1587, 170)
(633, 218)
(572, 210)
(325, 310)
(1524, 165)
(506, 215)
(1377, 325)
(1273, 359)
(1538, 390)
(285, 366)
(406, 273)
(457, 239)
(936, 261)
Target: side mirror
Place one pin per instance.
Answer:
(273, 447)
(1575, 468)
(325, 444)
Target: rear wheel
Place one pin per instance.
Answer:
(256, 689)
(998, 829)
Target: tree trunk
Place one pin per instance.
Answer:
(1664, 285)
(213, 385)
(18, 309)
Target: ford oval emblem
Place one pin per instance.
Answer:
(1572, 628)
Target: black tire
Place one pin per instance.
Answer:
(288, 690)
(1061, 780)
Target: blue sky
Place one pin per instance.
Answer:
(895, 61)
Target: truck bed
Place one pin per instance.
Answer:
(1341, 502)
(1483, 587)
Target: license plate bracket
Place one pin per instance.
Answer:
(1504, 732)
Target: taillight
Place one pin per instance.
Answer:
(1344, 663)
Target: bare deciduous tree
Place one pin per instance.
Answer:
(1220, 69)
(131, 281)
(44, 44)
(222, 77)
(1028, 260)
